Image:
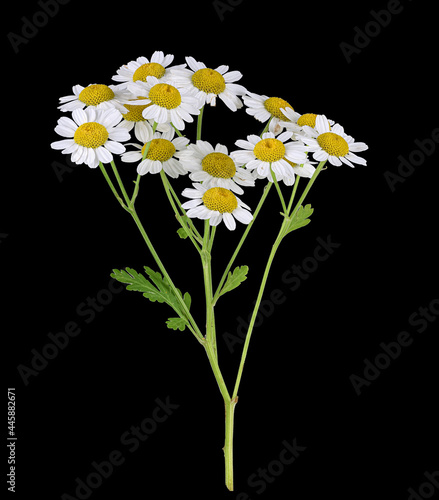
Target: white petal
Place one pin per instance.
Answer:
(229, 221)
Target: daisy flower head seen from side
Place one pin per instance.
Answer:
(297, 121)
(264, 108)
(163, 154)
(133, 119)
(165, 103)
(142, 67)
(92, 136)
(214, 167)
(97, 96)
(332, 144)
(207, 84)
(216, 204)
(270, 153)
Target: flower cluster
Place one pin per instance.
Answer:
(154, 100)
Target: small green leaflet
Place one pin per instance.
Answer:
(157, 291)
(299, 219)
(234, 279)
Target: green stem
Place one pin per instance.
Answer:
(113, 189)
(228, 443)
(183, 305)
(199, 123)
(244, 236)
(182, 222)
(194, 327)
(266, 127)
(293, 194)
(191, 225)
(276, 244)
(207, 274)
(308, 187)
(279, 192)
(119, 181)
(256, 308)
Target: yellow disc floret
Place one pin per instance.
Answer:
(333, 144)
(135, 111)
(165, 96)
(219, 165)
(95, 94)
(274, 105)
(220, 199)
(209, 81)
(91, 135)
(149, 69)
(269, 150)
(159, 150)
(309, 119)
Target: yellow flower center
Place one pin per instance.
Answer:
(219, 165)
(274, 105)
(95, 94)
(220, 199)
(165, 96)
(159, 150)
(333, 144)
(269, 150)
(308, 119)
(135, 111)
(149, 69)
(292, 163)
(209, 81)
(91, 135)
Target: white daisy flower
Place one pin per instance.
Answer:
(306, 169)
(141, 68)
(297, 121)
(165, 103)
(133, 119)
(261, 154)
(216, 204)
(214, 167)
(92, 136)
(162, 154)
(207, 84)
(332, 144)
(96, 96)
(264, 108)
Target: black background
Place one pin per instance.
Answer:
(63, 234)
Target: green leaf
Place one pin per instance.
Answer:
(176, 324)
(300, 218)
(234, 279)
(182, 233)
(157, 291)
